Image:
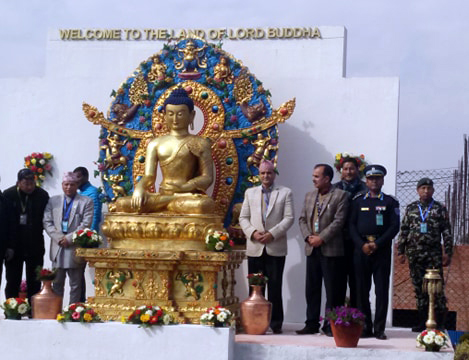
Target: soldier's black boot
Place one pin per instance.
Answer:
(421, 322)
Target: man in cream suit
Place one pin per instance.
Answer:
(266, 215)
(321, 223)
(64, 215)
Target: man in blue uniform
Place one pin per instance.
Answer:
(374, 221)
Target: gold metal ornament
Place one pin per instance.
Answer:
(432, 285)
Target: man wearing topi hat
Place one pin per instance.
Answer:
(64, 215)
(425, 222)
(374, 221)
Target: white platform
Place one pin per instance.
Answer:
(48, 339)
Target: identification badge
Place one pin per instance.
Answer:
(316, 227)
(23, 219)
(379, 219)
(423, 228)
(65, 227)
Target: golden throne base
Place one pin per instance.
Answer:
(171, 270)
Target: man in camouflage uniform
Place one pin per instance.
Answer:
(424, 223)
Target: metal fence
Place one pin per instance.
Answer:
(451, 185)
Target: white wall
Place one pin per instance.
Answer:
(333, 114)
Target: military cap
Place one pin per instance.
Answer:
(25, 174)
(374, 170)
(425, 181)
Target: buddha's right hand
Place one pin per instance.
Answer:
(139, 198)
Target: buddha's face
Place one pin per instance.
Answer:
(178, 117)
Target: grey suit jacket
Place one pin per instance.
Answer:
(331, 221)
(81, 217)
(279, 218)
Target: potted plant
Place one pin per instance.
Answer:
(256, 310)
(432, 340)
(15, 308)
(346, 324)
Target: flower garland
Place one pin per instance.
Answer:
(38, 163)
(147, 315)
(341, 157)
(218, 241)
(78, 312)
(217, 316)
(432, 340)
(87, 238)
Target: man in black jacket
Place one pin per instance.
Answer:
(28, 203)
(6, 231)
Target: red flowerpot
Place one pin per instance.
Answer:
(346, 336)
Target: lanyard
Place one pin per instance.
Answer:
(25, 205)
(319, 206)
(423, 215)
(368, 195)
(67, 209)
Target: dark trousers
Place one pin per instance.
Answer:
(272, 267)
(350, 274)
(14, 274)
(332, 270)
(378, 267)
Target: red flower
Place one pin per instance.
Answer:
(231, 243)
(33, 155)
(159, 313)
(79, 232)
(153, 319)
(137, 312)
(39, 155)
(27, 158)
(89, 233)
(72, 307)
(33, 168)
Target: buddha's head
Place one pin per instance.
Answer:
(179, 110)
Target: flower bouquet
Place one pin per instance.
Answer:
(45, 274)
(341, 157)
(15, 308)
(86, 238)
(147, 316)
(38, 163)
(217, 317)
(257, 279)
(432, 340)
(218, 241)
(78, 312)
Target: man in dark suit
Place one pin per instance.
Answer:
(266, 215)
(6, 232)
(64, 215)
(373, 223)
(321, 222)
(28, 202)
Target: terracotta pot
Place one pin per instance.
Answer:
(346, 336)
(256, 312)
(46, 304)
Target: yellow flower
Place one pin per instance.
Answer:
(337, 157)
(48, 155)
(123, 319)
(33, 161)
(60, 317)
(145, 318)
(87, 317)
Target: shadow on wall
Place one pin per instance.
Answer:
(299, 152)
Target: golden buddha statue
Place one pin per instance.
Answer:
(186, 166)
